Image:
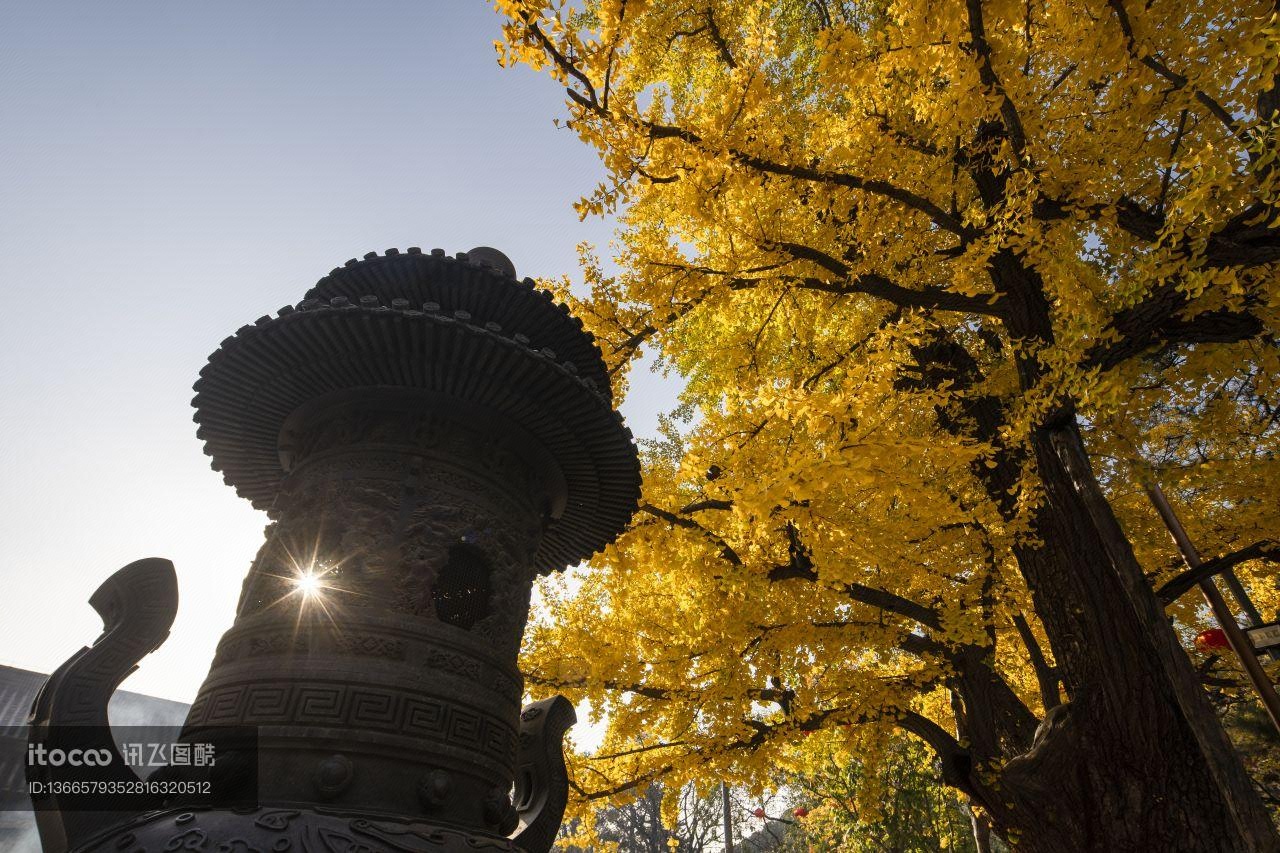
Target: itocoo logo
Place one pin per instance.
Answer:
(38, 754)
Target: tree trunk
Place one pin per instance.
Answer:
(996, 723)
(1136, 760)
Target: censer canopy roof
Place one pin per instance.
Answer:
(448, 328)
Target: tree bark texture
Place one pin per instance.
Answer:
(1136, 760)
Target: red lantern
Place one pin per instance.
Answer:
(801, 812)
(1212, 640)
(758, 812)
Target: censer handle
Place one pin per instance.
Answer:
(542, 782)
(137, 605)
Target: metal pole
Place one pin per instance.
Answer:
(1242, 597)
(1240, 644)
(728, 820)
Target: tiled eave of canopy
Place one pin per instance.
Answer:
(477, 336)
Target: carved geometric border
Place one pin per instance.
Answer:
(355, 707)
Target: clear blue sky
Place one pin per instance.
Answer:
(170, 171)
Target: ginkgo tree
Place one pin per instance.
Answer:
(944, 281)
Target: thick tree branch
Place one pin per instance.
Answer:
(713, 32)
(957, 765)
(932, 298)
(906, 140)
(876, 285)
(761, 733)
(639, 750)
(801, 567)
(873, 186)
(1233, 245)
(921, 645)
(1236, 244)
(871, 596)
(814, 378)
(672, 518)
(561, 61)
(706, 504)
(866, 284)
(666, 694)
(986, 73)
(1158, 321)
(643, 780)
(1265, 549)
(893, 603)
(717, 38)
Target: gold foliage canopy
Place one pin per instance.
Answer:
(884, 243)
